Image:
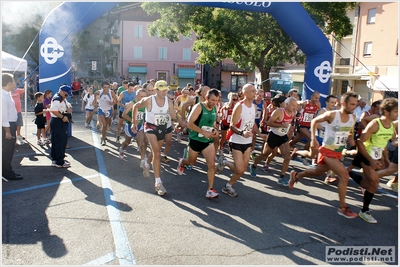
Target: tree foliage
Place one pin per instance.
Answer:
(251, 39)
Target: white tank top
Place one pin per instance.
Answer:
(158, 115)
(247, 120)
(104, 101)
(337, 132)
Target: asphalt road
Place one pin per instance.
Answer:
(102, 211)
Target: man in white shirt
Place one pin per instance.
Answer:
(8, 120)
(361, 108)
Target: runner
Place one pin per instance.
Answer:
(104, 100)
(201, 123)
(158, 108)
(310, 108)
(127, 116)
(241, 134)
(372, 154)
(226, 112)
(340, 125)
(280, 125)
(260, 104)
(124, 98)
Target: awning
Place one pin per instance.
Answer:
(137, 70)
(187, 73)
(387, 83)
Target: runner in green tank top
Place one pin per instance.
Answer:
(201, 122)
(372, 154)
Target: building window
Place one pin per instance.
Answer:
(137, 52)
(187, 54)
(345, 84)
(345, 61)
(138, 31)
(371, 16)
(367, 49)
(162, 52)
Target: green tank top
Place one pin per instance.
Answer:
(379, 140)
(140, 115)
(206, 122)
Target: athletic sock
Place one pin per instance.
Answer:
(158, 180)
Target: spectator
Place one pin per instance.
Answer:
(8, 120)
(76, 86)
(16, 95)
(31, 95)
(40, 121)
(46, 103)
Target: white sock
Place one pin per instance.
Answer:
(158, 181)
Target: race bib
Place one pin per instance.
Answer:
(341, 138)
(308, 117)
(248, 125)
(376, 152)
(207, 129)
(258, 114)
(160, 119)
(139, 116)
(228, 119)
(284, 130)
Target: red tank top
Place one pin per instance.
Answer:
(308, 114)
(287, 118)
(227, 116)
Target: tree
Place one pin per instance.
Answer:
(251, 39)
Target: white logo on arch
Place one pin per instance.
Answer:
(323, 71)
(51, 51)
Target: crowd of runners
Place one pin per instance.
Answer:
(149, 115)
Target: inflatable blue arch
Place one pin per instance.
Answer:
(56, 52)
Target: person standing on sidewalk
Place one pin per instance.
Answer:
(9, 127)
(59, 126)
(339, 127)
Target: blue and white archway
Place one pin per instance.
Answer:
(72, 17)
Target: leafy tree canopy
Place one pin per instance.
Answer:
(250, 39)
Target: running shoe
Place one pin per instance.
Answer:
(212, 194)
(282, 181)
(265, 168)
(395, 187)
(366, 216)
(160, 189)
(121, 153)
(47, 141)
(229, 190)
(146, 170)
(142, 163)
(329, 180)
(40, 143)
(252, 171)
(189, 167)
(180, 168)
(65, 165)
(292, 179)
(103, 141)
(347, 212)
(220, 152)
(165, 159)
(117, 139)
(220, 165)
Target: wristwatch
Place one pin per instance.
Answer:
(240, 133)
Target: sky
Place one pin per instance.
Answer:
(17, 13)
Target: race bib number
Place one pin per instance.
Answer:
(258, 114)
(248, 125)
(376, 153)
(139, 116)
(308, 117)
(228, 119)
(284, 130)
(161, 119)
(341, 138)
(207, 129)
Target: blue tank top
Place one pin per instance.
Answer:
(259, 111)
(127, 98)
